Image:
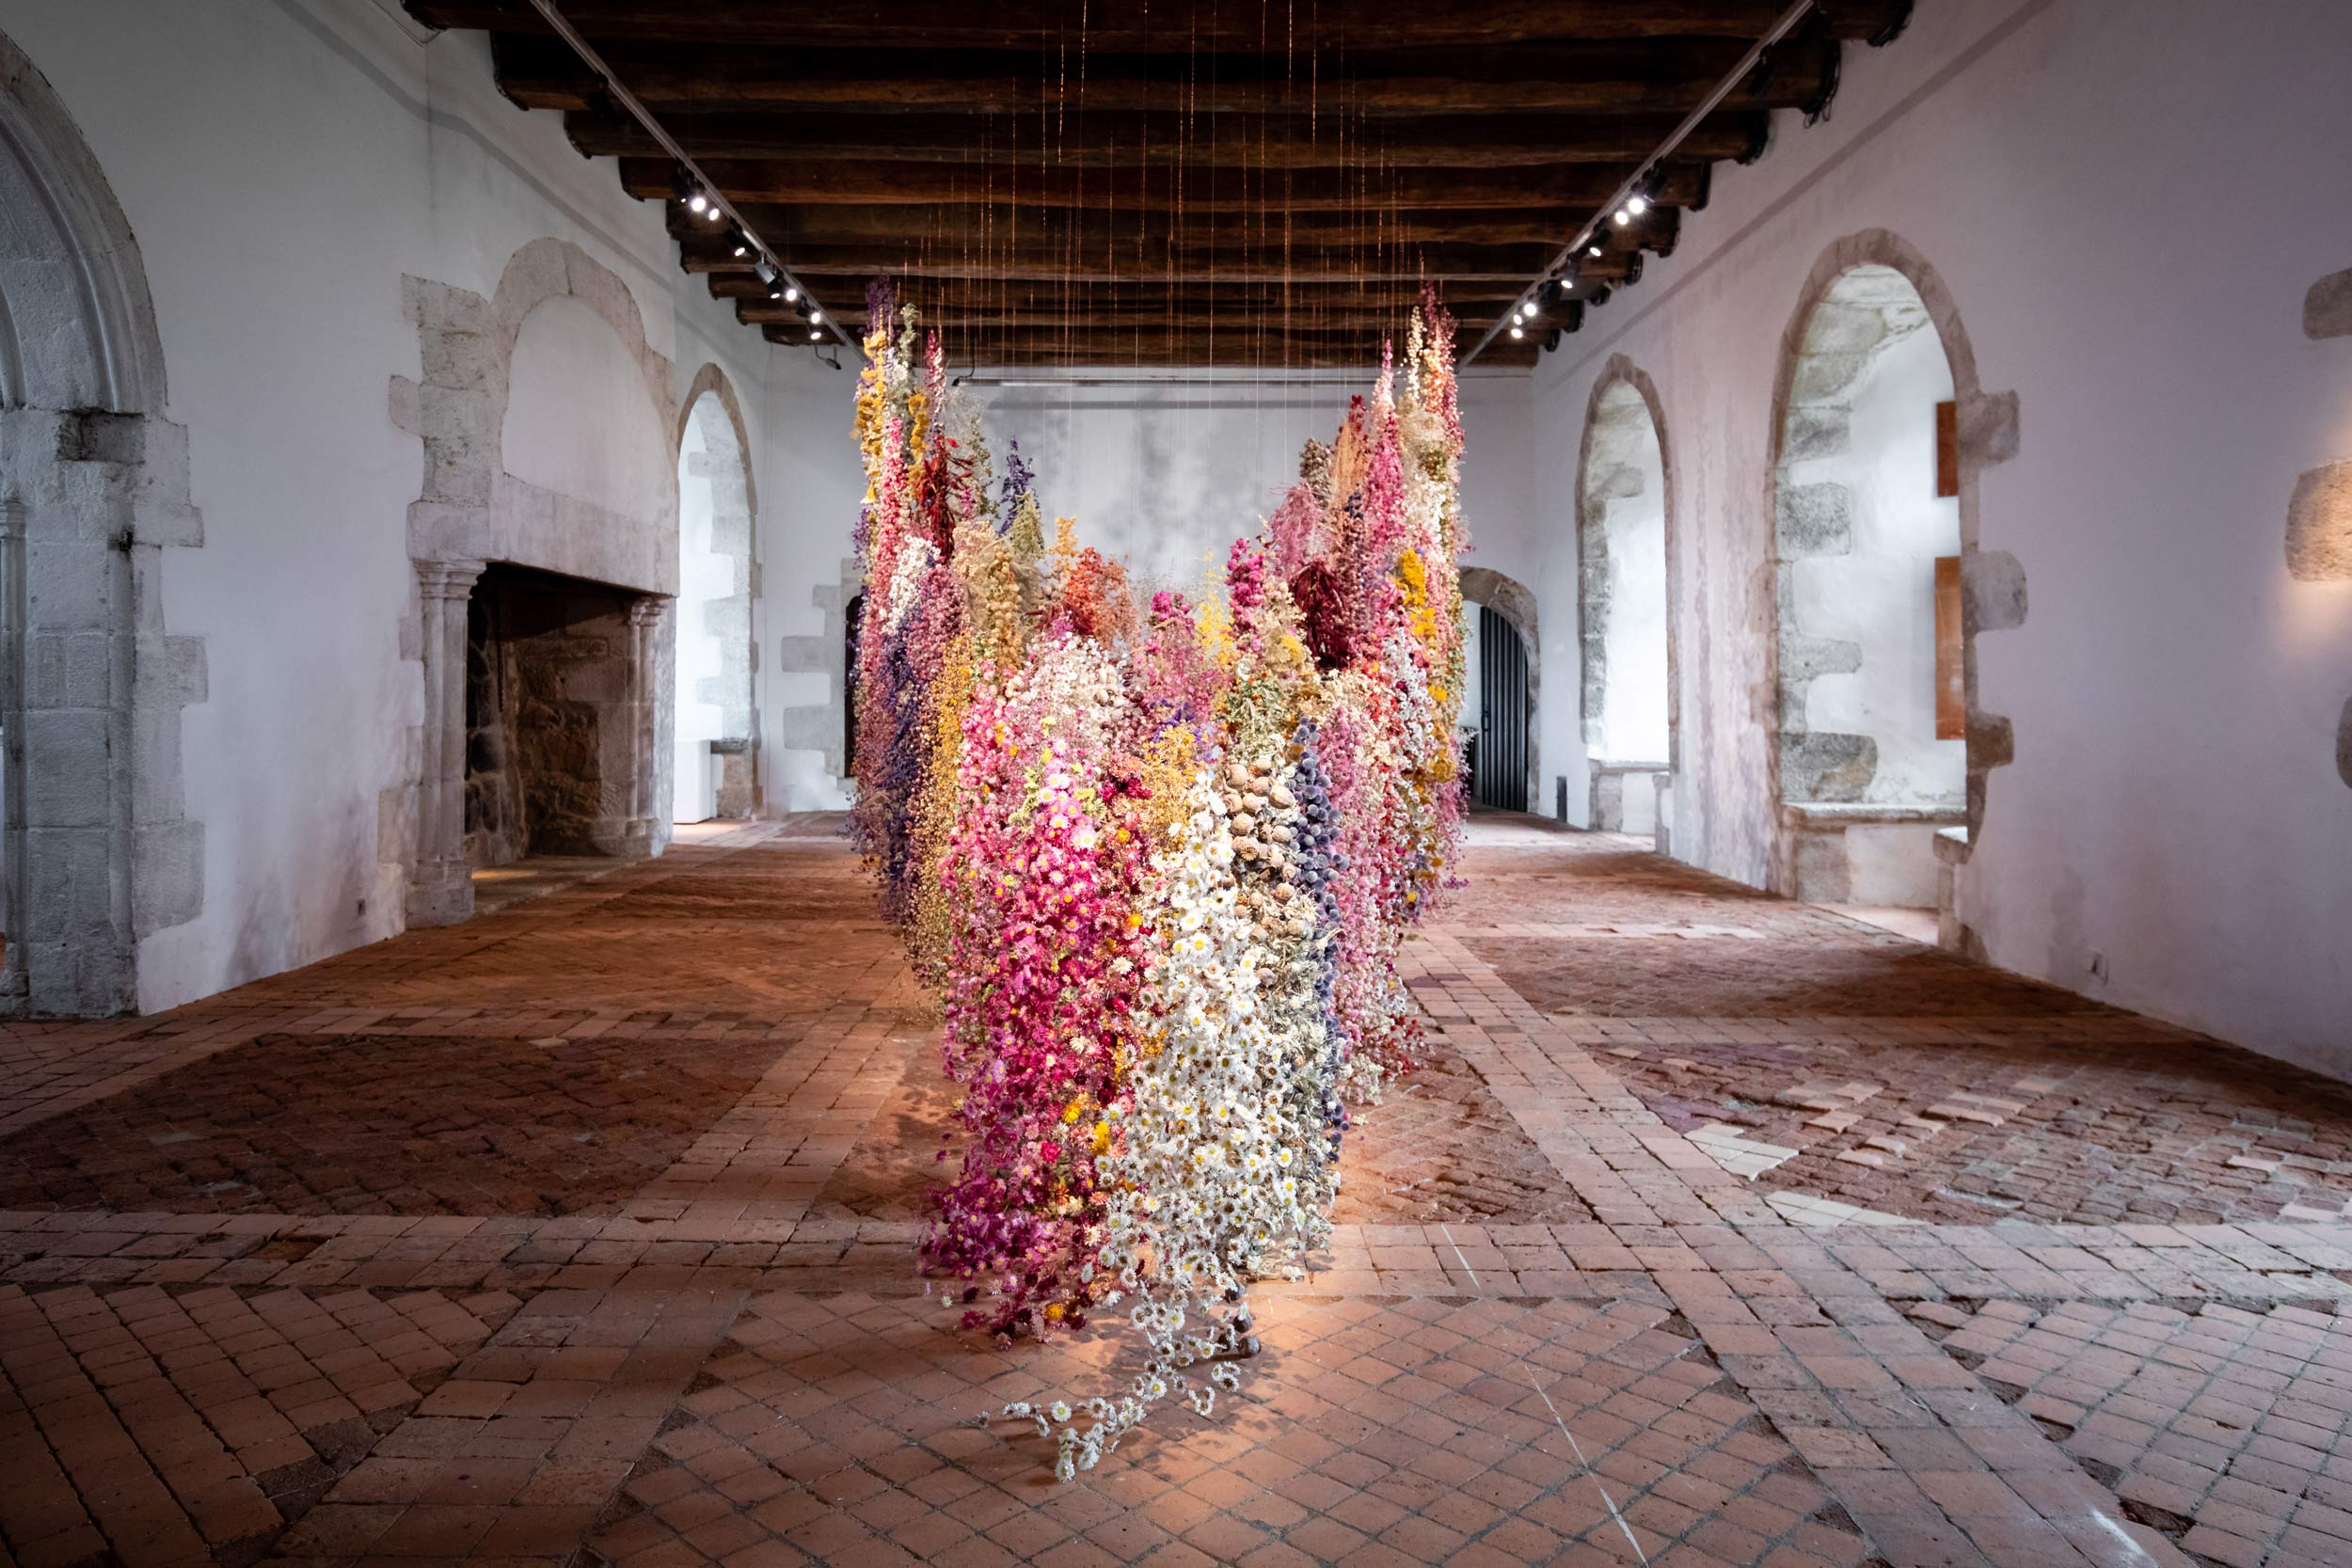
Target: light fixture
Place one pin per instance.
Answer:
(712, 210)
(1624, 217)
(766, 269)
(1518, 331)
(1637, 204)
(791, 295)
(815, 317)
(816, 334)
(1593, 248)
(742, 244)
(698, 203)
(775, 290)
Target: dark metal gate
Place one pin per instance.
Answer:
(1502, 776)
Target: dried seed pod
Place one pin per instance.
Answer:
(1245, 823)
(1240, 776)
(1283, 797)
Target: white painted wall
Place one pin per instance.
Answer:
(1165, 478)
(578, 419)
(1881, 594)
(283, 163)
(2174, 803)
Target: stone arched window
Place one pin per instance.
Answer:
(1874, 318)
(1624, 606)
(96, 853)
(716, 771)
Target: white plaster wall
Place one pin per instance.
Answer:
(2173, 804)
(283, 163)
(1165, 477)
(579, 419)
(1881, 594)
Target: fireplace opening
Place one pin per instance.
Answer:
(553, 717)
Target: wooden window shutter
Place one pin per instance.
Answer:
(1946, 448)
(1951, 688)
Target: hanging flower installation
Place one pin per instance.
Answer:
(1157, 863)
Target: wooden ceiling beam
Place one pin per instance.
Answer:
(1578, 188)
(1668, 76)
(785, 228)
(1483, 264)
(1043, 24)
(1126, 139)
(936, 292)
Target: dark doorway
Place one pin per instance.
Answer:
(1501, 780)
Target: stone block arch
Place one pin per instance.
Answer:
(97, 854)
(472, 512)
(1992, 582)
(1516, 603)
(712, 412)
(2319, 514)
(1623, 407)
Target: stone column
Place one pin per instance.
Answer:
(644, 664)
(13, 904)
(441, 883)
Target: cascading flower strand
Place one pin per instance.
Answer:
(1158, 864)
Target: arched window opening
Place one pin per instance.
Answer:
(1623, 607)
(712, 770)
(1868, 541)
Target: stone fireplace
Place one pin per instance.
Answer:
(542, 724)
(554, 739)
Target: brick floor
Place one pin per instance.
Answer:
(585, 1232)
(2223, 1428)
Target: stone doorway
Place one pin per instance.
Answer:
(558, 730)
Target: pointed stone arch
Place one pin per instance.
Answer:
(1603, 468)
(97, 854)
(1992, 582)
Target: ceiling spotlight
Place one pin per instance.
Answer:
(1637, 205)
(742, 244)
(1624, 217)
(766, 270)
(1519, 332)
(714, 211)
(815, 316)
(816, 335)
(697, 203)
(1593, 248)
(775, 290)
(791, 295)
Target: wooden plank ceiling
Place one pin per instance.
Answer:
(1091, 183)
